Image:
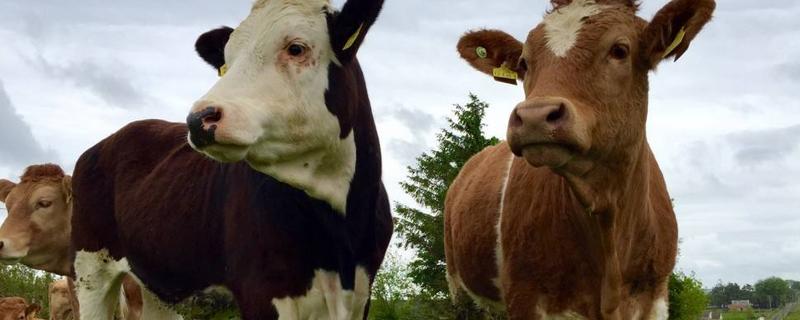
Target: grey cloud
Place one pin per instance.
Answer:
(758, 147)
(18, 147)
(420, 124)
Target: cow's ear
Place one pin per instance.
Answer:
(211, 46)
(673, 28)
(32, 310)
(493, 52)
(66, 188)
(349, 27)
(5, 189)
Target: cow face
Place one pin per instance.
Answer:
(271, 106)
(38, 223)
(584, 70)
(17, 309)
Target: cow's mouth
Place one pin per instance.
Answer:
(548, 154)
(226, 152)
(9, 260)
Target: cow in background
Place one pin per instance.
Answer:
(570, 218)
(61, 298)
(37, 229)
(18, 309)
(272, 189)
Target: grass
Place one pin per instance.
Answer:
(748, 315)
(794, 315)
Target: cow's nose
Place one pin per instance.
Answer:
(540, 118)
(202, 125)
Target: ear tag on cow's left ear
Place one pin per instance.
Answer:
(223, 70)
(505, 74)
(352, 40)
(675, 43)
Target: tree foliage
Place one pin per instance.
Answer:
(686, 297)
(21, 281)
(428, 180)
(772, 292)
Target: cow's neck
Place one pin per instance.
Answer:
(56, 260)
(615, 205)
(323, 174)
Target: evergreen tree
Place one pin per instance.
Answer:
(428, 180)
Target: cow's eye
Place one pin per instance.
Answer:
(619, 51)
(44, 204)
(296, 49)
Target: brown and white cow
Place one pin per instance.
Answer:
(36, 231)
(18, 309)
(283, 204)
(571, 216)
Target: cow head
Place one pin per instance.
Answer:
(18, 309)
(286, 97)
(37, 227)
(585, 74)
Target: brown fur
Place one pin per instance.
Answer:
(587, 225)
(36, 173)
(18, 309)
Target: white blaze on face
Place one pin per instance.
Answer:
(274, 114)
(563, 25)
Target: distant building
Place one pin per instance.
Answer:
(740, 305)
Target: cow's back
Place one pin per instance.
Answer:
(472, 209)
(146, 178)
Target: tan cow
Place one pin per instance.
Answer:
(61, 299)
(37, 230)
(570, 218)
(18, 309)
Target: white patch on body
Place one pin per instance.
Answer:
(326, 300)
(563, 25)
(498, 251)
(99, 283)
(660, 310)
(274, 111)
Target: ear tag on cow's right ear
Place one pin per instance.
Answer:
(481, 52)
(505, 74)
(675, 43)
(223, 70)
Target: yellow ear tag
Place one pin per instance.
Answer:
(223, 70)
(675, 43)
(504, 74)
(350, 42)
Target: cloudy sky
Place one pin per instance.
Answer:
(724, 121)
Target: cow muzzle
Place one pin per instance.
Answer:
(202, 126)
(547, 132)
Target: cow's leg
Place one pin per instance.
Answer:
(98, 281)
(154, 309)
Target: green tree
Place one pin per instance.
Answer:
(772, 292)
(686, 297)
(428, 180)
(21, 281)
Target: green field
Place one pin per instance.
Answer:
(794, 315)
(748, 315)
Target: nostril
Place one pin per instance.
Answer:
(515, 120)
(213, 115)
(1, 245)
(558, 114)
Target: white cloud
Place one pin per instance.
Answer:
(723, 120)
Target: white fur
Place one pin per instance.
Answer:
(563, 25)
(326, 300)
(99, 283)
(275, 112)
(660, 310)
(498, 251)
